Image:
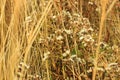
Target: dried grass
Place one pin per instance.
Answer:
(59, 40)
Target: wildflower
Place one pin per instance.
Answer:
(90, 29)
(76, 2)
(100, 69)
(41, 40)
(37, 76)
(66, 53)
(59, 37)
(68, 14)
(81, 38)
(110, 66)
(85, 44)
(86, 21)
(25, 65)
(83, 61)
(54, 17)
(79, 60)
(68, 31)
(97, 9)
(76, 22)
(115, 48)
(58, 31)
(46, 55)
(104, 45)
(88, 38)
(92, 40)
(28, 19)
(73, 56)
(90, 70)
(31, 76)
(84, 30)
(91, 3)
(77, 15)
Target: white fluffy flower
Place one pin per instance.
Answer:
(90, 29)
(28, 19)
(46, 55)
(25, 65)
(84, 30)
(81, 38)
(66, 53)
(59, 37)
(68, 31)
(91, 3)
(53, 17)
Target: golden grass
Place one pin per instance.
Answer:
(56, 40)
(103, 16)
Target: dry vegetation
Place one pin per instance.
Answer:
(59, 40)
